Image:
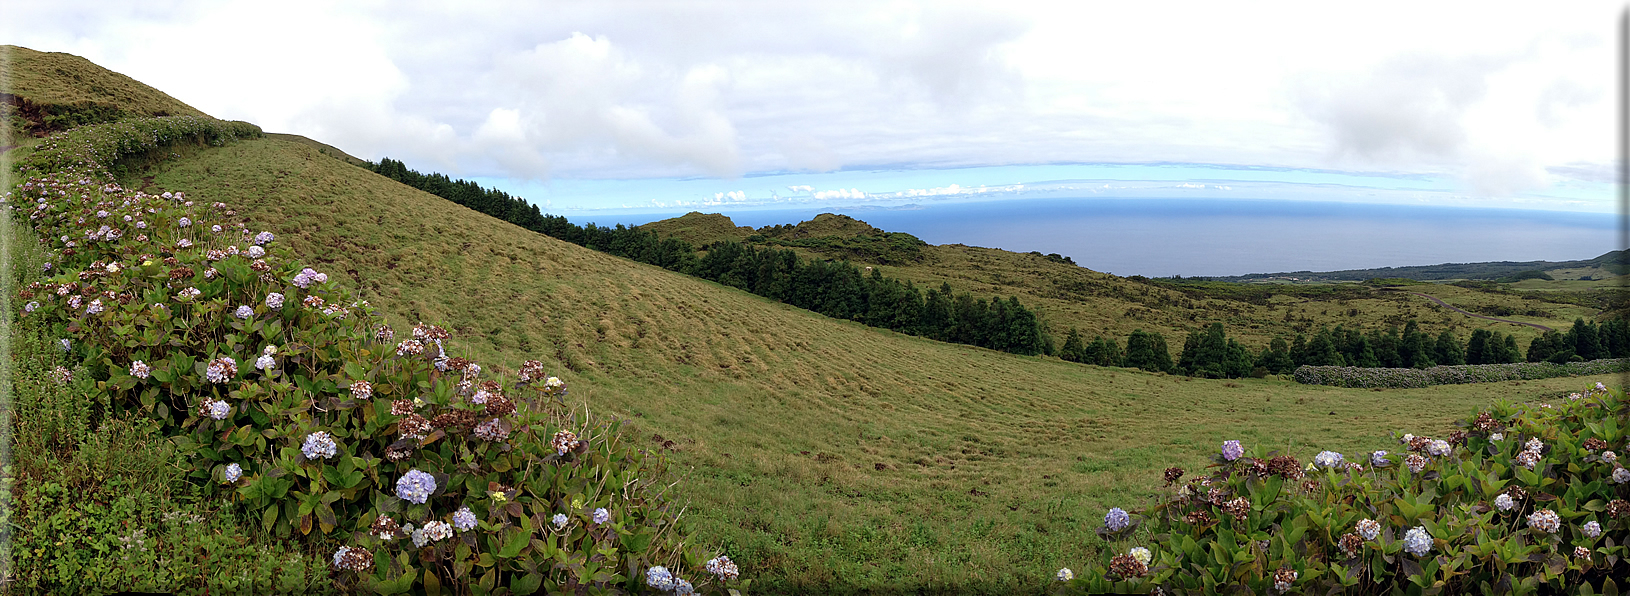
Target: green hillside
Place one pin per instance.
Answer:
(45, 92)
(1074, 296)
(822, 455)
(827, 455)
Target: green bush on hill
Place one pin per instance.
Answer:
(411, 470)
(1522, 501)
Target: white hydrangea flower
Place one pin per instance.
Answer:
(1417, 541)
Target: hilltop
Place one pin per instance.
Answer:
(45, 92)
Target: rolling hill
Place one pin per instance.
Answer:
(823, 455)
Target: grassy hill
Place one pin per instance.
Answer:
(828, 455)
(1068, 295)
(822, 455)
(45, 92)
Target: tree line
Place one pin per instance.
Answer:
(837, 289)
(1210, 353)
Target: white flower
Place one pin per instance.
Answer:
(1504, 502)
(232, 473)
(1141, 554)
(183, 222)
(1545, 520)
(1621, 476)
(1609, 456)
(1497, 437)
(1534, 445)
(217, 409)
(140, 369)
(1368, 528)
(1417, 541)
(274, 300)
(265, 363)
(559, 520)
(1327, 459)
(1065, 575)
(1438, 448)
(1592, 529)
(256, 252)
(319, 445)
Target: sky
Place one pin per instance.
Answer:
(589, 107)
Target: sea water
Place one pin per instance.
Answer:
(1190, 237)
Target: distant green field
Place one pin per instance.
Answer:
(826, 457)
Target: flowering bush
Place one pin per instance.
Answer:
(334, 436)
(1522, 500)
(1403, 378)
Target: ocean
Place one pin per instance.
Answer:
(1209, 237)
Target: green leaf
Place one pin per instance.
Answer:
(514, 545)
(268, 518)
(527, 584)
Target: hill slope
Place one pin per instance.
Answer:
(825, 455)
(44, 92)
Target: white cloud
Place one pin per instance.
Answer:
(1508, 100)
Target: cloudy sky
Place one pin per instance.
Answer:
(594, 105)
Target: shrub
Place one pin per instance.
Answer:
(417, 470)
(1523, 500)
(1400, 378)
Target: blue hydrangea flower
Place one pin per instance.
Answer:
(232, 473)
(1417, 541)
(683, 588)
(1592, 529)
(217, 409)
(601, 515)
(415, 486)
(1328, 459)
(1232, 450)
(1379, 459)
(263, 237)
(319, 445)
(1117, 519)
(659, 578)
(464, 519)
(559, 520)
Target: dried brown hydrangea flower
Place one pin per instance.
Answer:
(1127, 566)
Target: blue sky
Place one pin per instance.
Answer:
(591, 106)
(906, 186)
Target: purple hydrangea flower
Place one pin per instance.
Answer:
(1231, 450)
(244, 312)
(464, 519)
(601, 515)
(1417, 541)
(232, 473)
(1117, 519)
(263, 238)
(274, 300)
(415, 486)
(319, 445)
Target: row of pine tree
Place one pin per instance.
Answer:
(1210, 353)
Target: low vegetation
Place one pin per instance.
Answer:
(1519, 500)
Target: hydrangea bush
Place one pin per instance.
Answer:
(1522, 501)
(295, 401)
(1405, 378)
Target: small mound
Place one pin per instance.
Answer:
(832, 224)
(699, 229)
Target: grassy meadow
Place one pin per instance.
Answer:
(823, 455)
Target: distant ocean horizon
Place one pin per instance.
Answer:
(1201, 237)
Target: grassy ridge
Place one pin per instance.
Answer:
(52, 91)
(994, 467)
